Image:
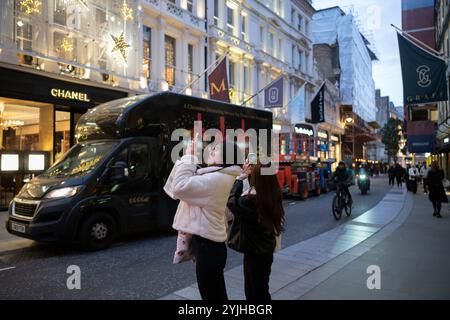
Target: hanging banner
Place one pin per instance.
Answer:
(297, 107)
(424, 74)
(421, 136)
(318, 106)
(273, 94)
(218, 82)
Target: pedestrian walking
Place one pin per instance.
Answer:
(423, 173)
(203, 195)
(399, 174)
(413, 174)
(391, 175)
(436, 188)
(258, 222)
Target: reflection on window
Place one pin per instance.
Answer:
(232, 73)
(246, 80)
(147, 51)
(138, 164)
(20, 128)
(216, 12)
(230, 20)
(64, 45)
(59, 12)
(244, 27)
(270, 44)
(190, 62)
(190, 5)
(62, 133)
(24, 35)
(170, 60)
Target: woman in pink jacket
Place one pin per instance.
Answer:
(203, 195)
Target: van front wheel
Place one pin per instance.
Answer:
(97, 231)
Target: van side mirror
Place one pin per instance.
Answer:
(119, 171)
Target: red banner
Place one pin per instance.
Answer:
(218, 83)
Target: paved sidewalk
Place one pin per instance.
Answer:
(300, 268)
(414, 261)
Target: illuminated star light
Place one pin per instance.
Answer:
(31, 6)
(126, 11)
(121, 45)
(67, 45)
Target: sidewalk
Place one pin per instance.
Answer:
(413, 257)
(414, 261)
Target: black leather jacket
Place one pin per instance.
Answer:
(255, 239)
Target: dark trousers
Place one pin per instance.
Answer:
(256, 276)
(391, 180)
(399, 181)
(210, 259)
(425, 185)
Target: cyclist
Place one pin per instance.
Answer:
(343, 177)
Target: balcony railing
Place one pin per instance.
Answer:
(218, 33)
(174, 10)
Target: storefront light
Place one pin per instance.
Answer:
(36, 162)
(446, 140)
(276, 127)
(189, 91)
(10, 162)
(164, 86)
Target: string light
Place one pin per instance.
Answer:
(121, 45)
(31, 6)
(126, 11)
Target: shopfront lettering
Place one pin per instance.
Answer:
(305, 131)
(70, 95)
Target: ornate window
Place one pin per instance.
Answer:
(170, 59)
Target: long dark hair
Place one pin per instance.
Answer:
(268, 200)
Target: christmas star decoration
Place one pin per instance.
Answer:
(126, 11)
(67, 45)
(31, 6)
(121, 45)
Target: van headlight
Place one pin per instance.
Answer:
(63, 192)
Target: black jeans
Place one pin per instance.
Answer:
(391, 180)
(425, 185)
(257, 270)
(399, 181)
(210, 259)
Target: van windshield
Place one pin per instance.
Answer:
(81, 159)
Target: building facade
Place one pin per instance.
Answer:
(343, 57)
(173, 34)
(418, 20)
(265, 40)
(58, 58)
(442, 14)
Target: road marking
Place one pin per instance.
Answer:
(9, 268)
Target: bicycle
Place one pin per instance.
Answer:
(340, 202)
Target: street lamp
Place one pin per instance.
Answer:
(349, 120)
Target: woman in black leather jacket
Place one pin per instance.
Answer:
(258, 219)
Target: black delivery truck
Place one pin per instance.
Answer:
(110, 183)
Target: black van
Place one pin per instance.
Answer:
(110, 183)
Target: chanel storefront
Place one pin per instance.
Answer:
(37, 119)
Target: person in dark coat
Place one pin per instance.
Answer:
(436, 188)
(259, 215)
(391, 174)
(399, 174)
